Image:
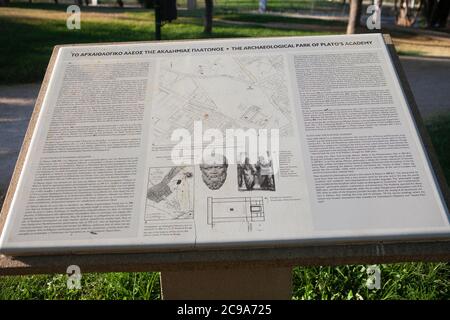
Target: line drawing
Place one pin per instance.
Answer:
(253, 93)
(235, 209)
(170, 193)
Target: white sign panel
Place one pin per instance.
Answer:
(223, 143)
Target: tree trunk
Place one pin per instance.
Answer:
(428, 10)
(120, 3)
(354, 16)
(358, 14)
(445, 11)
(208, 16)
(439, 14)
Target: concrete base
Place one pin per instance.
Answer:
(256, 283)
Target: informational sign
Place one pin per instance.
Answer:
(223, 143)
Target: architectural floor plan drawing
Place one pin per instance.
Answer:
(253, 94)
(235, 209)
(170, 193)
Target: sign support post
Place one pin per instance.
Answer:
(158, 21)
(228, 283)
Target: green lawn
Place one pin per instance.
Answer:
(272, 5)
(29, 33)
(398, 281)
(271, 18)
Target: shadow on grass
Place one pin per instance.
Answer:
(28, 46)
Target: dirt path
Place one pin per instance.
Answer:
(16, 106)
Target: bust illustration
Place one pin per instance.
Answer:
(214, 172)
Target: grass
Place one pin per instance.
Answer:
(272, 5)
(411, 53)
(121, 286)
(398, 281)
(29, 34)
(271, 18)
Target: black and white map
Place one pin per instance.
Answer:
(253, 94)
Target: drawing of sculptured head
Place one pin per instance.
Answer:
(214, 172)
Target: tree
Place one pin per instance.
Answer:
(4, 2)
(436, 13)
(354, 16)
(208, 16)
(80, 2)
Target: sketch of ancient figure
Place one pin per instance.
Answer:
(265, 173)
(259, 176)
(248, 174)
(240, 172)
(214, 172)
